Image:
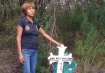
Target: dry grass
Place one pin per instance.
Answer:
(8, 61)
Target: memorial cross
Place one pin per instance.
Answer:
(60, 58)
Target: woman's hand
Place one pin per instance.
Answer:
(21, 58)
(59, 44)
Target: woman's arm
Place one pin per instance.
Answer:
(18, 41)
(48, 37)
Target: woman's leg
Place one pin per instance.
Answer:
(26, 65)
(33, 61)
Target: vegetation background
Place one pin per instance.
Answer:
(78, 24)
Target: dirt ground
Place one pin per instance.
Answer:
(9, 63)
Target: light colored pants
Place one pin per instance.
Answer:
(30, 57)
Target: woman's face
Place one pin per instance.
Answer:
(30, 11)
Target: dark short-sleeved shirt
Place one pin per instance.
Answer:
(29, 38)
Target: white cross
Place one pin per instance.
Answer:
(60, 58)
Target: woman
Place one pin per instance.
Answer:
(27, 38)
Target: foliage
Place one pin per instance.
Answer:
(90, 43)
(87, 18)
(87, 49)
(41, 63)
